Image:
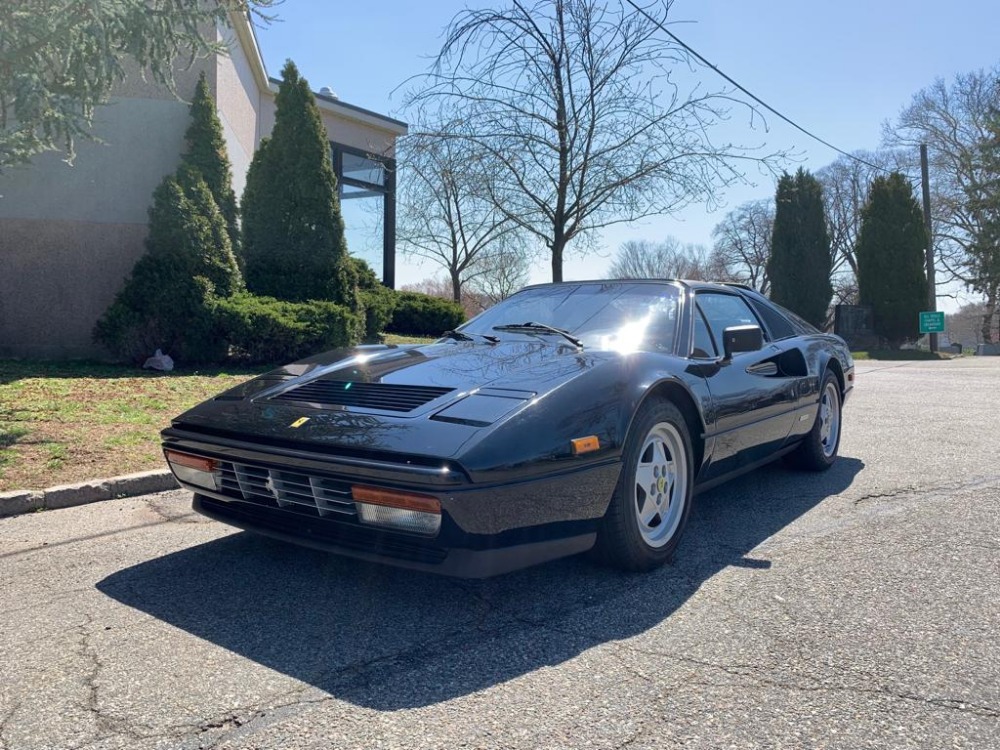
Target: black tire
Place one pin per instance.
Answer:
(818, 451)
(624, 540)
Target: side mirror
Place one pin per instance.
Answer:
(736, 339)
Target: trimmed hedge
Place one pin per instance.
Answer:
(378, 300)
(422, 315)
(264, 330)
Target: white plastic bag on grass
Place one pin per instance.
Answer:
(159, 361)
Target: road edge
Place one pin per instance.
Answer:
(71, 495)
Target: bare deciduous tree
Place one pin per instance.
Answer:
(500, 273)
(953, 119)
(574, 103)
(670, 259)
(444, 213)
(472, 301)
(965, 326)
(743, 243)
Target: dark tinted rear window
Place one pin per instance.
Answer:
(799, 326)
(776, 323)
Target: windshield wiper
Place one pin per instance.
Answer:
(529, 326)
(463, 336)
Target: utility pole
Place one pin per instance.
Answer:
(931, 281)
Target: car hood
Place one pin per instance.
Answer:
(400, 399)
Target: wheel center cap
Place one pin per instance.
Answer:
(661, 484)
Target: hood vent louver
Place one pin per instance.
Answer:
(380, 396)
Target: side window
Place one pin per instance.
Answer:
(779, 327)
(704, 347)
(722, 311)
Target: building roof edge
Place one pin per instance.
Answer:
(243, 26)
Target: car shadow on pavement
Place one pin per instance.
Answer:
(388, 639)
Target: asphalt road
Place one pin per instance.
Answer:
(855, 609)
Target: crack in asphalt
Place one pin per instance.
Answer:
(899, 491)
(4, 720)
(754, 673)
(947, 488)
(48, 546)
(106, 725)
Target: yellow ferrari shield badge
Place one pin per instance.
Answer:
(299, 422)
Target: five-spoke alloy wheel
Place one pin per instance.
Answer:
(818, 450)
(651, 504)
(661, 479)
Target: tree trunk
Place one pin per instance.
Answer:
(557, 247)
(456, 285)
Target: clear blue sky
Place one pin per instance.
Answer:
(838, 68)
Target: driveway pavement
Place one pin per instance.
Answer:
(853, 609)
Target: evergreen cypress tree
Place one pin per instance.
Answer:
(167, 301)
(800, 264)
(206, 152)
(984, 205)
(293, 234)
(891, 257)
(209, 254)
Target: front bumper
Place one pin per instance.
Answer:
(388, 547)
(304, 497)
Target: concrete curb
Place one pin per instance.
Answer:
(69, 495)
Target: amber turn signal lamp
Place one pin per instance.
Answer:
(585, 444)
(395, 499)
(197, 471)
(197, 463)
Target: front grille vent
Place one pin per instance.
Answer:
(381, 396)
(285, 489)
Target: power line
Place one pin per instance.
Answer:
(761, 102)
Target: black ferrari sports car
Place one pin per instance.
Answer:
(570, 417)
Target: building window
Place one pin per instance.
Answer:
(367, 187)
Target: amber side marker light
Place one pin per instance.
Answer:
(402, 511)
(585, 444)
(196, 470)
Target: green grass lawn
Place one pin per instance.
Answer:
(63, 422)
(68, 422)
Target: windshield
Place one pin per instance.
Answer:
(621, 316)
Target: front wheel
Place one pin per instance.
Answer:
(818, 450)
(650, 507)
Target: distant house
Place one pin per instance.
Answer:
(69, 235)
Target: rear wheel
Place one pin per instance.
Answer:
(652, 501)
(818, 450)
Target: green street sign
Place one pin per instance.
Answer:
(931, 322)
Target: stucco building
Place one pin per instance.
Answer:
(70, 235)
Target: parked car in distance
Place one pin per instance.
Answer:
(570, 417)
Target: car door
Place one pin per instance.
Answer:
(753, 402)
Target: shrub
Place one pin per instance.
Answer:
(419, 315)
(263, 330)
(167, 301)
(378, 300)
